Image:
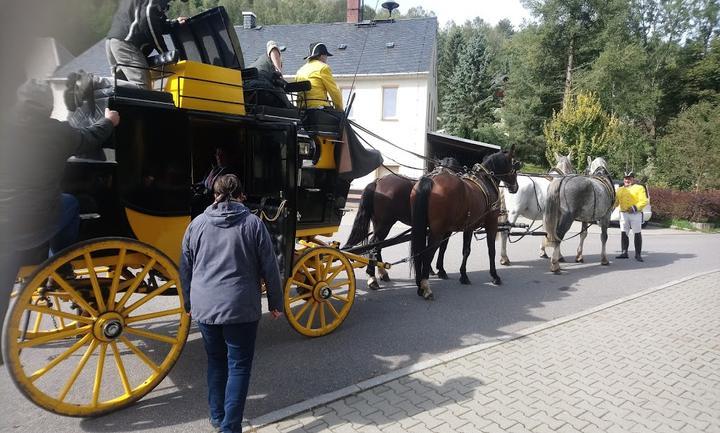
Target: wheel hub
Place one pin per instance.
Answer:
(322, 292)
(109, 327)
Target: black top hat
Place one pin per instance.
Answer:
(629, 174)
(317, 49)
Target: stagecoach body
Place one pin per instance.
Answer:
(99, 325)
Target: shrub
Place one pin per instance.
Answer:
(703, 206)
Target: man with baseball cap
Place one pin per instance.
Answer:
(137, 29)
(631, 198)
(271, 61)
(317, 71)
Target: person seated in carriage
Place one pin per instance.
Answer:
(268, 87)
(318, 73)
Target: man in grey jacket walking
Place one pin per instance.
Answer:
(226, 253)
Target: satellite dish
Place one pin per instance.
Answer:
(390, 6)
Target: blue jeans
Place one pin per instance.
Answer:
(230, 350)
(68, 228)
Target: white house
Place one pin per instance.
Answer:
(390, 65)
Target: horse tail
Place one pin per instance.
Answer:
(366, 210)
(418, 240)
(551, 217)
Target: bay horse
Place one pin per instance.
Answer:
(529, 200)
(384, 202)
(445, 202)
(584, 198)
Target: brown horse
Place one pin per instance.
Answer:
(384, 202)
(446, 202)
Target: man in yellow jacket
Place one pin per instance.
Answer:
(317, 71)
(631, 198)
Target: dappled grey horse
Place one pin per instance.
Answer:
(584, 198)
(529, 200)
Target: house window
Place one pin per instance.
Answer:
(346, 99)
(389, 103)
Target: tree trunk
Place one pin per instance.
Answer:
(568, 71)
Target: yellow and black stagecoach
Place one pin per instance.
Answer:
(99, 325)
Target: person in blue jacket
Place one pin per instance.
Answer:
(226, 253)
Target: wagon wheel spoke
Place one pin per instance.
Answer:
(36, 325)
(73, 377)
(99, 373)
(304, 308)
(116, 279)
(340, 284)
(323, 322)
(340, 298)
(57, 308)
(303, 285)
(160, 290)
(318, 268)
(59, 313)
(140, 354)
(155, 315)
(300, 297)
(308, 274)
(54, 336)
(333, 310)
(335, 273)
(311, 317)
(121, 369)
(94, 282)
(327, 261)
(139, 278)
(76, 297)
(151, 335)
(60, 358)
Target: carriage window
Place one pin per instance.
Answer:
(389, 103)
(346, 99)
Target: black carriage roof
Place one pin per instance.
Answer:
(370, 48)
(466, 151)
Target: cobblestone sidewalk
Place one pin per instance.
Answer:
(651, 364)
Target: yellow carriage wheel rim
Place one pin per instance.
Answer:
(320, 291)
(124, 331)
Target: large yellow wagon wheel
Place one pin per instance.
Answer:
(96, 327)
(320, 291)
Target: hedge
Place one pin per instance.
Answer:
(702, 207)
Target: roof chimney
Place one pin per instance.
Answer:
(250, 20)
(353, 11)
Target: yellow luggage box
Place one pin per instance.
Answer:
(199, 86)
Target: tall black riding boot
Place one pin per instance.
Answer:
(624, 245)
(638, 247)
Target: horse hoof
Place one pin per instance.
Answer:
(497, 281)
(464, 280)
(555, 271)
(385, 277)
(544, 256)
(561, 259)
(505, 262)
(429, 297)
(432, 272)
(605, 263)
(579, 260)
(374, 286)
(420, 292)
(442, 275)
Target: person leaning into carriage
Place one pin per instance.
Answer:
(631, 198)
(226, 252)
(33, 209)
(137, 29)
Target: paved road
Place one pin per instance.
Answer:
(392, 329)
(648, 364)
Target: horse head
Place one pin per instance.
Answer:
(503, 167)
(563, 165)
(597, 167)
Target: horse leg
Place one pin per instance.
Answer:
(504, 235)
(381, 232)
(583, 234)
(440, 263)
(384, 276)
(490, 239)
(424, 288)
(467, 240)
(604, 223)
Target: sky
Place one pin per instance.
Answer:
(459, 11)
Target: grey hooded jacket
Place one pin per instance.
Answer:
(225, 253)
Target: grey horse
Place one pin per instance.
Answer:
(585, 198)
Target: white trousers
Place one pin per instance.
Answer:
(631, 221)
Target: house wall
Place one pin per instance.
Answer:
(407, 130)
